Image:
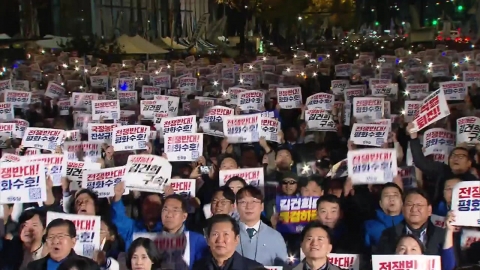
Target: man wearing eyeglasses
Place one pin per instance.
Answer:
(60, 239)
(258, 241)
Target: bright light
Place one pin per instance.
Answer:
(241, 80)
(328, 55)
(409, 52)
(250, 67)
(85, 70)
(156, 72)
(264, 58)
(123, 65)
(77, 69)
(215, 83)
(65, 66)
(378, 66)
(288, 69)
(291, 258)
(314, 74)
(430, 64)
(302, 73)
(429, 71)
(224, 93)
(406, 93)
(299, 18)
(43, 51)
(401, 71)
(294, 56)
(168, 66)
(81, 87)
(467, 58)
(62, 84)
(155, 60)
(455, 64)
(403, 112)
(305, 168)
(76, 61)
(113, 89)
(455, 77)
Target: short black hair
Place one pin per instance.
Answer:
(314, 225)
(179, 198)
(223, 218)
(149, 247)
(29, 214)
(228, 156)
(226, 192)
(249, 190)
(418, 191)
(59, 222)
(329, 198)
(422, 246)
(91, 194)
(391, 185)
(236, 178)
(76, 263)
(317, 179)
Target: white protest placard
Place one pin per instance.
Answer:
(319, 120)
(88, 232)
(369, 134)
(99, 81)
(172, 106)
(127, 97)
(215, 115)
(439, 70)
(188, 82)
(7, 157)
(289, 97)
(132, 137)
(412, 107)
(233, 94)
(64, 107)
(350, 93)
(100, 132)
(248, 78)
(22, 182)
(71, 150)
(345, 261)
(390, 90)
(148, 108)
(242, 128)
(438, 221)
(109, 109)
(175, 249)
(251, 100)
(466, 204)
(471, 77)
(454, 90)
(147, 173)
(43, 138)
(55, 164)
(177, 125)
(400, 262)
(54, 90)
(375, 81)
(409, 179)
(253, 176)
(468, 129)
(269, 128)
(162, 81)
(91, 151)
(185, 187)
(5, 84)
(18, 99)
(6, 111)
(417, 91)
(75, 172)
(338, 86)
(367, 109)
(81, 120)
(6, 133)
(83, 100)
(103, 181)
(434, 107)
(183, 147)
(469, 237)
(343, 70)
(23, 85)
(437, 140)
(274, 267)
(322, 101)
(125, 84)
(149, 92)
(372, 166)
(20, 127)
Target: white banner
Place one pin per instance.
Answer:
(289, 97)
(369, 134)
(177, 125)
(75, 172)
(372, 166)
(412, 107)
(434, 107)
(6, 111)
(251, 100)
(18, 99)
(454, 90)
(110, 109)
(233, 94)
(183, 147)
(127, 97)
(319, 120)
(322, 101)
(242, 128)
(468, 129)
(149, 92)
(436, 140)
(103, 181)
(22, 182)
(132, 137)
(466, 204)
(147, 173)
(43, 138)
(417, 262)
(253, 176)
(417, 91)
(54, 90)
(367, 109)
(148, 108)
(269, 128)
(56, 165)
(20, 127)
(100, 132)
(339, 86)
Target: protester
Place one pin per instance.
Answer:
(143, 255)
(223, 236)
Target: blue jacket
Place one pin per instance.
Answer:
(441, 209)
(127, 227)
(375, 227)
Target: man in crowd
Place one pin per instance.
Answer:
(316, 245)
(258, 241)
(223, 202)
(223, 236)
(60, 238)
(417, 210)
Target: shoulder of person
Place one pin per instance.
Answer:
(333, 267)
(39, 264)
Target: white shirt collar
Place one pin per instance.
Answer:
(256, 226)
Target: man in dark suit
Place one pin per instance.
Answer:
(60, 238)
(223, 236)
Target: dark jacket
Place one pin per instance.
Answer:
(435, 238)
(301, 266)
(437, 171)
(238, 263)
(11, 254)
(42, 263)
(375, 227)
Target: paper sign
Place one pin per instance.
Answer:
(468, 129)
(372, 166)
(367, 109)
(183, 147)
(436, 140)
(289, 97)
(110, 109)
(322, 101)
(43, 138)
(147, 173)
(100, 132)
(295, 213)
(369, 134)
(55, 164)
(434, 107)
(75, 172)
(319, 120)
(253, 176)
(103, 181)
(132, 137)
(400, 262)
(466, 204)
(251, 100)
(22, 182)
(454, 90)
(242, 128)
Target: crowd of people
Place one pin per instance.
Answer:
(234, 223)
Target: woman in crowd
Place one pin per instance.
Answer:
(143, 255)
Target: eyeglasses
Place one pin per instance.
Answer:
(459, 156)
(59, 237)
(221, 202)
(291, 182)
(173, 211)
(245, 203)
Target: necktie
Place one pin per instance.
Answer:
(251, 232)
